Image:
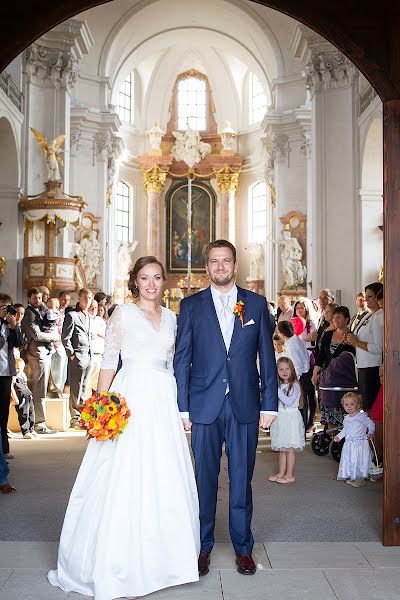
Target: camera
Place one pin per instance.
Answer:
(11, 310)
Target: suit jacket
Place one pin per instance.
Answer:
(38, 340)
(203, 367)
(14, 338)
(76, 336)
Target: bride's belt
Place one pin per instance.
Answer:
(140, 363)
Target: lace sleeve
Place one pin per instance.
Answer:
(171, 352)
(113, 340)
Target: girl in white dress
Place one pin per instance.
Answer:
(355, 460)
(287, 431)
(132, 522)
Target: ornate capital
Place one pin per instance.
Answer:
(51, 66)
(328, 69)
(280, 147)
(154, 179)
(306, 145)
(74, 138)
(227, 180)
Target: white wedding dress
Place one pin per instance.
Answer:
(132, 522)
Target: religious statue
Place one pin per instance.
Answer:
(155, 135)
(52, 152)
(90, 256)
(124, 258)
(293, 271)
(256, 251)
(189, 147)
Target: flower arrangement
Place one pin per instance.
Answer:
(104, 416)
(239, 310)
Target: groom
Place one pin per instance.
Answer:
(219, 395)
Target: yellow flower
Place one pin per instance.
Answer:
(112, 424)
(111, 408)
(85, 416)
(97, 425)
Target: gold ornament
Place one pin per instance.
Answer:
(154, 179)
(227, 180)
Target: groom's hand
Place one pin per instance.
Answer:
(187, 424)
(266, 420)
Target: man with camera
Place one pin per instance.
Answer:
(39, 351)
(10, 338)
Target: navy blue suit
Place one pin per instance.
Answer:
(203, 370)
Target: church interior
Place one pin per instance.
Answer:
(292, 174)
(147, 127)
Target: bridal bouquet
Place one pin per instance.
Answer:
(104, 415)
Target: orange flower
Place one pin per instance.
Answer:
(239, 310)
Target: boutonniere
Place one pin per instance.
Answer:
(239, 310)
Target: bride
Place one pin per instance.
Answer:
(132, 522)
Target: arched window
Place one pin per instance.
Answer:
(257, 100)
(123, 212)
(258, 211)
(192, 104)
(125, 102)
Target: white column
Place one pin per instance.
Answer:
(50, 70)
(306, 148)
(331, 79)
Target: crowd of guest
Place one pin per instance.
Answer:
(47, 348)
(51, 347)
(334, 348)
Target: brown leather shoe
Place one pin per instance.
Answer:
(245, 564)
(7, 488)
(204, 562)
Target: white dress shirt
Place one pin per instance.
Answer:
(4, 365)
(296, 350)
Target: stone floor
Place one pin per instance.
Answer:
(317, 538)
(286, 571)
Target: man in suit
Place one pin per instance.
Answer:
(219, 394)
(76, 339)
(38, 354)
(10, 338)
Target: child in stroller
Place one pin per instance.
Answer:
(337, 379)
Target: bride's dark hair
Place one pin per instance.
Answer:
(141, 262)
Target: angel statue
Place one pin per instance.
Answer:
(52, 152)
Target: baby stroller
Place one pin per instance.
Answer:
(338, 378)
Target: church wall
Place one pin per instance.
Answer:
(11, 247)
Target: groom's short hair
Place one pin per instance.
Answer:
(220, 244)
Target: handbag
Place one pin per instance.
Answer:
(375, 471)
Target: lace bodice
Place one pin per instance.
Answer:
(132, 335)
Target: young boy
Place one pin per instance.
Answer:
(23, 399)
(278, 346)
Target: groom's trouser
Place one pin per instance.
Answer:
(240, 447)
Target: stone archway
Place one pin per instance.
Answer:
(9, 206)
(367, 34)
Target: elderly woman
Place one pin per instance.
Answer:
(368, 342)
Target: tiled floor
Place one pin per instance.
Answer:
(286, 571)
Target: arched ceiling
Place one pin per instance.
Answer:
(366, 32)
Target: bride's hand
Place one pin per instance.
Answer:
(187, 424)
